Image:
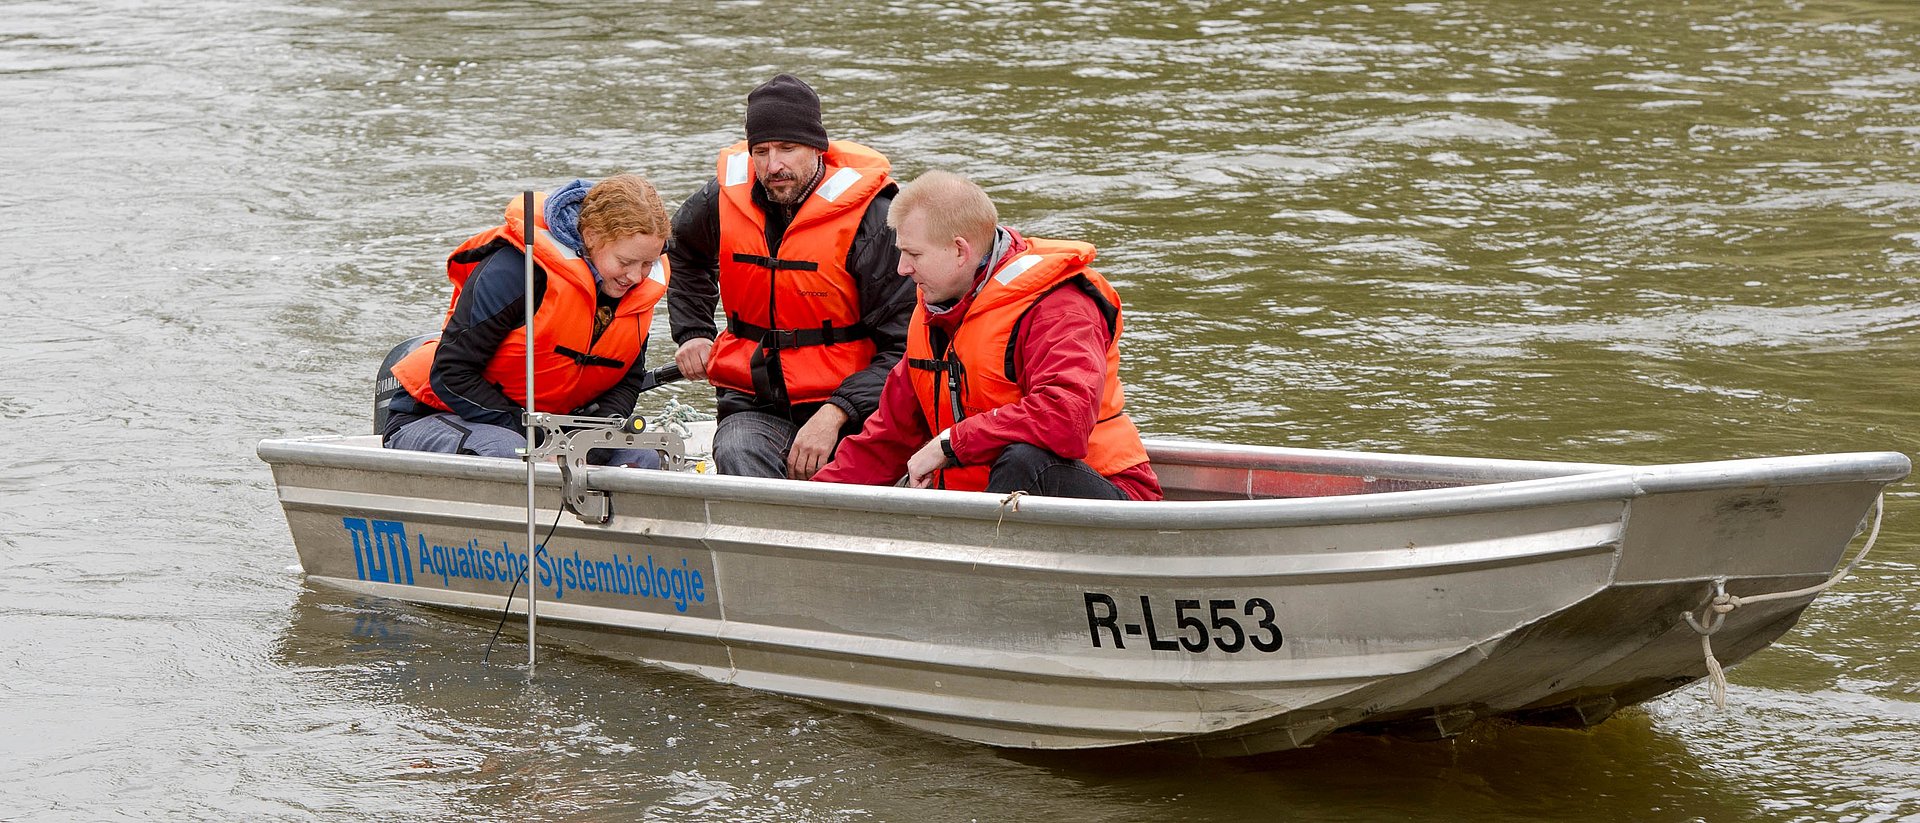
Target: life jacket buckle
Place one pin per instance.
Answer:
(779, 339)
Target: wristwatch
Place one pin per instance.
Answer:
(946, 446)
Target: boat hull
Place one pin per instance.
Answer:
(1445, 591)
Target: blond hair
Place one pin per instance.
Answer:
(622, 206)
(953, 205)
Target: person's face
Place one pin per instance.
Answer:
(625, 262)
(942, 267)
(784, 169)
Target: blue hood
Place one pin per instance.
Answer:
(563, 219)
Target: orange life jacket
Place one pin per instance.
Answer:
(976, 372)
(570, 367)
(793, 328)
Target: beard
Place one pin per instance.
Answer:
(787, 195)
(794, 189)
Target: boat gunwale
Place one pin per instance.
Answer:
(1591, 482)
(1418, 467)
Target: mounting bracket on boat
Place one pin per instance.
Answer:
(568, 437)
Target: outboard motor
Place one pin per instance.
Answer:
(384, 384)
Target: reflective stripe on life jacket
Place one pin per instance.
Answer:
(976, 370)
(571, 368)
(793, 330)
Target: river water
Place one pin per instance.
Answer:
(1631, 231)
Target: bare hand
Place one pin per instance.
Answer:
(921, 466)
(814, 443)
(692, 357)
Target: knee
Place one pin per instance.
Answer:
(493, 441)
(738, 432)
(750, 446)
(729, 452)
(1025, 455)
(448, 434)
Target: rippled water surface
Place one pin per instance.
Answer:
(1626, 231)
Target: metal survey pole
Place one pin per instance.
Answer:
(528, 232)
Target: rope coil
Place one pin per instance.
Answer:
(677, 415)
(1721, 603)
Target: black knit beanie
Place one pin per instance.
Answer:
(785, 108)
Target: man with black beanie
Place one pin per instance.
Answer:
(790, 237)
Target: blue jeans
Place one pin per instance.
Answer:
(753, 444)
(447, 433)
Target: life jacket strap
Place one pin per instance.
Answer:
(826, 334)
(929, 364)
(956, 380)
(775, 263)
(585, 359)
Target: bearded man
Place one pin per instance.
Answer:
(790, 236)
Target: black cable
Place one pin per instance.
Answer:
(532, 553)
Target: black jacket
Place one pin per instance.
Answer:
(492, 305)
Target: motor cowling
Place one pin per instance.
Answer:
(385, 386)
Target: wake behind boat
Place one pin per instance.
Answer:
(1277, 596)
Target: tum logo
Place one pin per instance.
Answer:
(380, 550)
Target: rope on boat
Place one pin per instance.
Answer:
(1011, 501)
(677, 415)
(674, 418)
(1722, 603)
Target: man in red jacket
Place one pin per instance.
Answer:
(1011, 376)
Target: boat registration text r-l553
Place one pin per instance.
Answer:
(1232, 626)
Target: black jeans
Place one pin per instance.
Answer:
(1034, 470)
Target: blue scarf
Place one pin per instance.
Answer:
(563, 220)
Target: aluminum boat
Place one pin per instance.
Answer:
(1277, 596)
